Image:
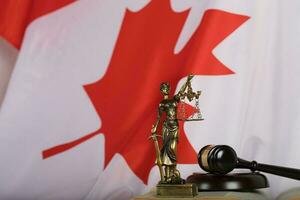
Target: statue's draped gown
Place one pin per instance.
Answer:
(170, 132)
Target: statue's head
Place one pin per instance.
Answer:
(165, 88)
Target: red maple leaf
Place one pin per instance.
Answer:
(126, 98)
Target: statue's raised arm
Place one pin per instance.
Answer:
(186, 85)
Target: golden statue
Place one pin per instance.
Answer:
(166, 156)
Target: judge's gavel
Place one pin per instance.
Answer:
(221, 159)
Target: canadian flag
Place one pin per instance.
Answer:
(79, 90)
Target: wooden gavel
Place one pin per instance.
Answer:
(221, 159)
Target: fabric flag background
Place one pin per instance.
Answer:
(71, 70)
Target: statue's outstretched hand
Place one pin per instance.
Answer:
(153, 130)
(190, 77)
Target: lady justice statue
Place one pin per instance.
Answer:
(166, 156)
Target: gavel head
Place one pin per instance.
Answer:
(217, 159)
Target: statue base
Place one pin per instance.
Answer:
(176, 190)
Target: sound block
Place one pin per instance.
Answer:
(229, 182)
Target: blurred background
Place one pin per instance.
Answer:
(79, 90)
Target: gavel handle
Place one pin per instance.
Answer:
(271, 169)
(280, 171)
